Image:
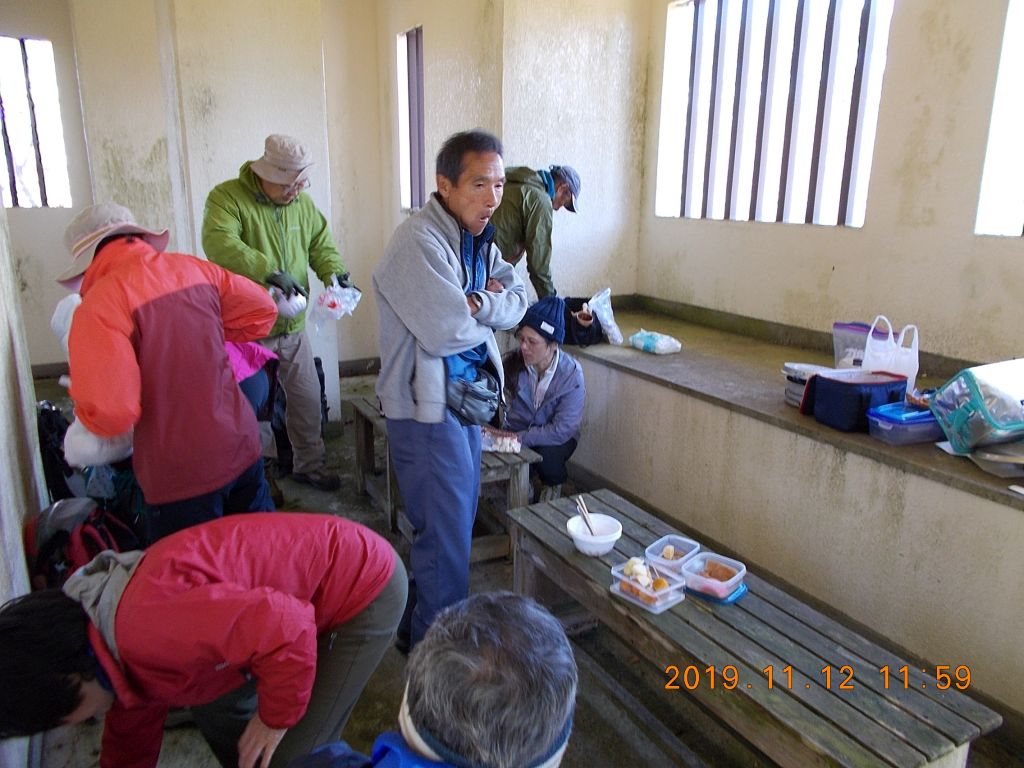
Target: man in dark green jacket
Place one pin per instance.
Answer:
(262, 225)
(523, 220)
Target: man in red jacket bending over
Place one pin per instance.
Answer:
(268, 625)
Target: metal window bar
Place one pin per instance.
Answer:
(35, 126)
(759, 144)
(736, 105)
(713, 106)
(855, 97)
(787, 142)
(819, 120)
(12, 178)
(414, 43)
(688, 140)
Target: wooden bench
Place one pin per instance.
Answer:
(512, 469)
(805, 717)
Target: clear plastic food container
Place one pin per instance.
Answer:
(648, 596)
(902, 424)
(718, 582)
(682, 550)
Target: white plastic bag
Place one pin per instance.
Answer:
(60, 322)
(83, 448)
(892, 355)
(334, 303)
(658, 343)
(601, 305)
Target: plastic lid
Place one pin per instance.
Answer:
(901, 413)
(803, 370)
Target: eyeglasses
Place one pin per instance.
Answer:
(297, 186)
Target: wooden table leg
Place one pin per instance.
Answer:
(364, 450)
(519, 486)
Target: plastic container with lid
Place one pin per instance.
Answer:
(902, 424)
(683, 547)
(699, 581)
(653, 600)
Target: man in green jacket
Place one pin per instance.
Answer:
(262, 225)
(523, 220)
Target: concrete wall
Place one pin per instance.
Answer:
(935, 569)
(574, 93)
(169, 111)
(916, 259)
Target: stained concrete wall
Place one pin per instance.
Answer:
(177, 95)
(933, 568)
(574, 93)
(916, 259)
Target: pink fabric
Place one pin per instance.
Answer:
(247, 358)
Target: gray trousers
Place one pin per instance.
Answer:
(297, 374)
(346, 656)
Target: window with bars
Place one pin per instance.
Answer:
(769, 109)
(411, 159)
(1001, 201)
(35, 167)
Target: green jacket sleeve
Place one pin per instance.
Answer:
(324, 257)
(538, 213)
(222, 242)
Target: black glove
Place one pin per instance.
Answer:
(344, 281)
(288, 285)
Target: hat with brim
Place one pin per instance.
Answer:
(286, 160)
(566, 174)
(96, 223)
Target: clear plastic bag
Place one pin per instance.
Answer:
(601, 305)
(334, 303)
(658, 343)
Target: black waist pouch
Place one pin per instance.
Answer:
(474, 402)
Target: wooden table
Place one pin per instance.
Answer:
(381, 485)
(846, 715)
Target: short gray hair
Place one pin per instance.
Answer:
(494, 680)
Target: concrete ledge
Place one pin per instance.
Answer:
(743, 374)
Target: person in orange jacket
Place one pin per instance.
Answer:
(149, 371)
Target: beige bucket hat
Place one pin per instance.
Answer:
(286, 160)
(89, 228)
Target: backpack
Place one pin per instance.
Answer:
(52, 425)
(67, 535)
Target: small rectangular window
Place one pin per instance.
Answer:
(769, 109)
(34, 162)
(410, 119)
(1001, 202)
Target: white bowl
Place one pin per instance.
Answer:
(607, 531)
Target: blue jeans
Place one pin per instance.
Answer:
(438, 472)
(248, 492)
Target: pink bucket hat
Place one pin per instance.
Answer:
(285, 160)
(91, 226)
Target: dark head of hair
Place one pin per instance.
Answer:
(128, 236)
(494, 680)
(451, 158)
(44, 657)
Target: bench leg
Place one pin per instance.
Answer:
(364, 451)
(519, 486)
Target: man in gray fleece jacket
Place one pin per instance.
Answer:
(442, 288)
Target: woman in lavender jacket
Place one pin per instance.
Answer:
(544, 391)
